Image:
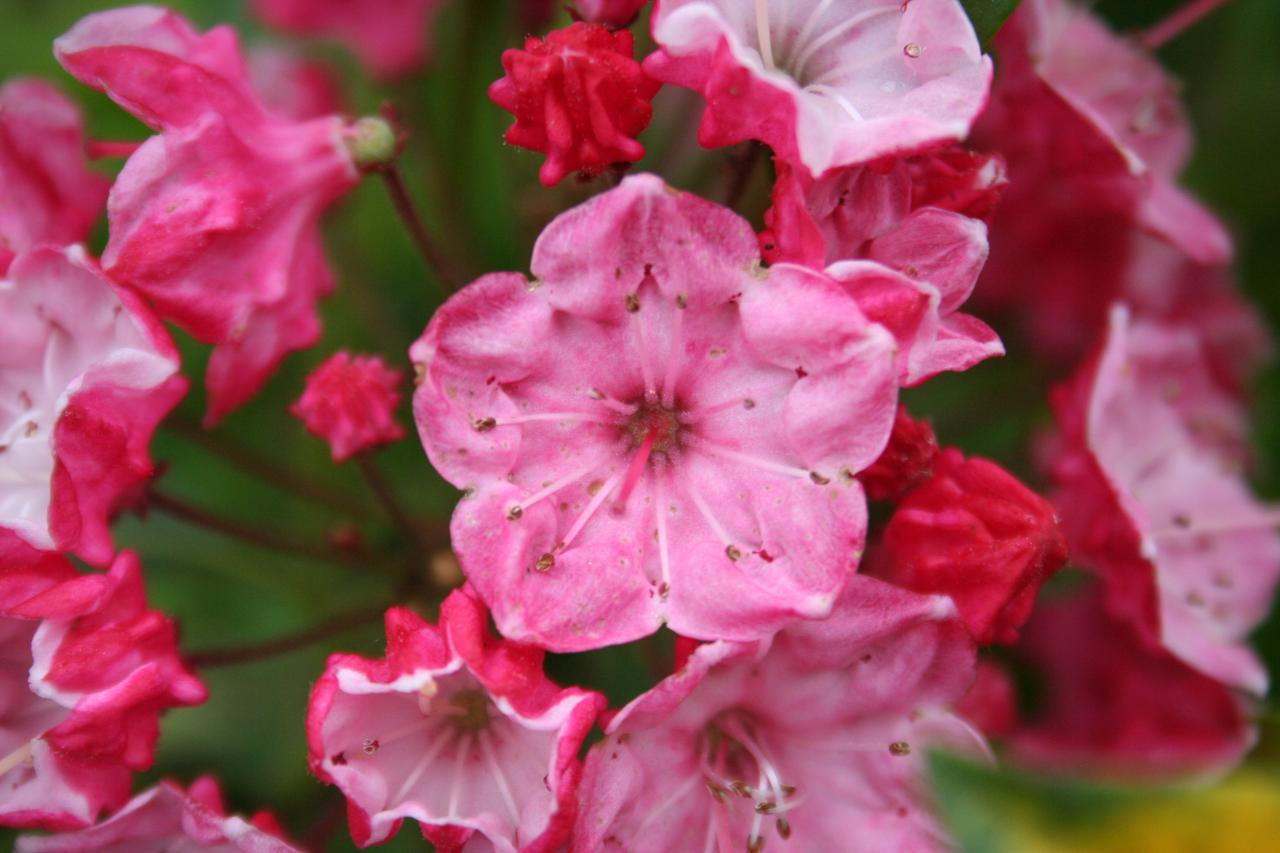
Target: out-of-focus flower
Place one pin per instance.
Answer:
(975, 533)
(165, 817)
(577, 95)
(215, 218)
(50, 196)
(1152, 497)
(1112, 703)
(907, 461)
(293, 86)
(391, 37)
(351, 404)
(88, 669)
(454, 729)
(819, 737)
(825, 84)
(991, 704)
(86, 374)
(657, 429)
(611, 13)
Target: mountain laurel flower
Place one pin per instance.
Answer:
(214, 219)
(611, 13)
(88, 669)
(165, 817)
(825, 84)
(454, 729)
(50, 196)
(973, 532)
(86, 375)
(579, 96)
(350, 402)
(391, 37)
(907, 460)
(293, 86)
(819, 736)
(1152, 496)
(1113, 704)
(654, 429)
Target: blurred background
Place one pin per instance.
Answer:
(482, 200)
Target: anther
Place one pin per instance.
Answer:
(682, 301)
(370, 746)
(545, 563)
(740, 788)
(818, 478)
(899, 747)
(484, 424)
(755, 843)
(717, 792)
(633, 303)
(514, 513)
(766, 807)
(748, 403)
(912, 49)
(784, 828)
(733, 553)
(1182, 520)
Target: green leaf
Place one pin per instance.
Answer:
(988, 16)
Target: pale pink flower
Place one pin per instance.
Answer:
(1152, 496)
(351, 404)
(50, 196)
(656, 429)
(825, 84)
(454, 729)
(820, 737)
(389, 36)
(215, 218)
(165, 817)
(86, 374)
(88, 668)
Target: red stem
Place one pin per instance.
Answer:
(1177, 22)
(413, 223)
(338, 624)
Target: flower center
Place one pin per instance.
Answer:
(658, 421)
(468, 711)
(737, 767)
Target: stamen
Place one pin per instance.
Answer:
(1185, 525)
(1177, 22)
(590, 510)
(762, 33)
(660, 516)
(609, 402)
(517, 510)
(455, 791)
(636, 469)
(582, 417)
(811, 22)
(428, 756)
(674, 360)
(20, 756)
(691, 416)
(714, 523)
(802, 61)
(486, 746)
(738, 456)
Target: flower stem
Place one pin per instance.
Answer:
(315, 549)
(1177, 22)
(408, 213)
(395, 508)
(267, 470)
(337, 624)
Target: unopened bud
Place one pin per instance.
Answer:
(372, 143)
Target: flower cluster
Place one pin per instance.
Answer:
(690, 421)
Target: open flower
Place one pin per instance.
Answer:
(819, 737)
(655, 428)
(86, 374)
(215, 219)
(825, 84)
(351, 404)
(88, 669)
(389, 36)
(453, 729)
(50, 196)
(165, 817)
(1152, 496)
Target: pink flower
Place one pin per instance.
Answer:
(975, 533)
(351, 404)
(165, 817)
(1152, 497)
(656, 429)
(293, 86)
(1114, 704)
(50, 196)
(215, 218)
(460, 732)
(577, 95)
(819, 737)
(389, 36)
(611, 13)
(86, 374)
(88, 670)
(907, 460)
(825, 84)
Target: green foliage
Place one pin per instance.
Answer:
(988, 16)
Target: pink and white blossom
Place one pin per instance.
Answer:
(825, 84)
(214, 219)
(818, 736)
(1152, 496)
(86, 374)
(655, 429)
(88, 669)
(165, 817)
(454, 729)
(50, 195)
(351, 404)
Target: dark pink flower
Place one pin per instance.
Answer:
(973, 532)
(820, 736)
(825, 84)
(656, 429)
(86, 374)
(454, 729)
(165, 817)
(907, 460)
(293, 86)
(1152, 497)
(1110, 702)
(577, 95)
(611, 13)
(351, 404)
(50, 196)
(88, 670)
(215, 218)
(389, 36)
